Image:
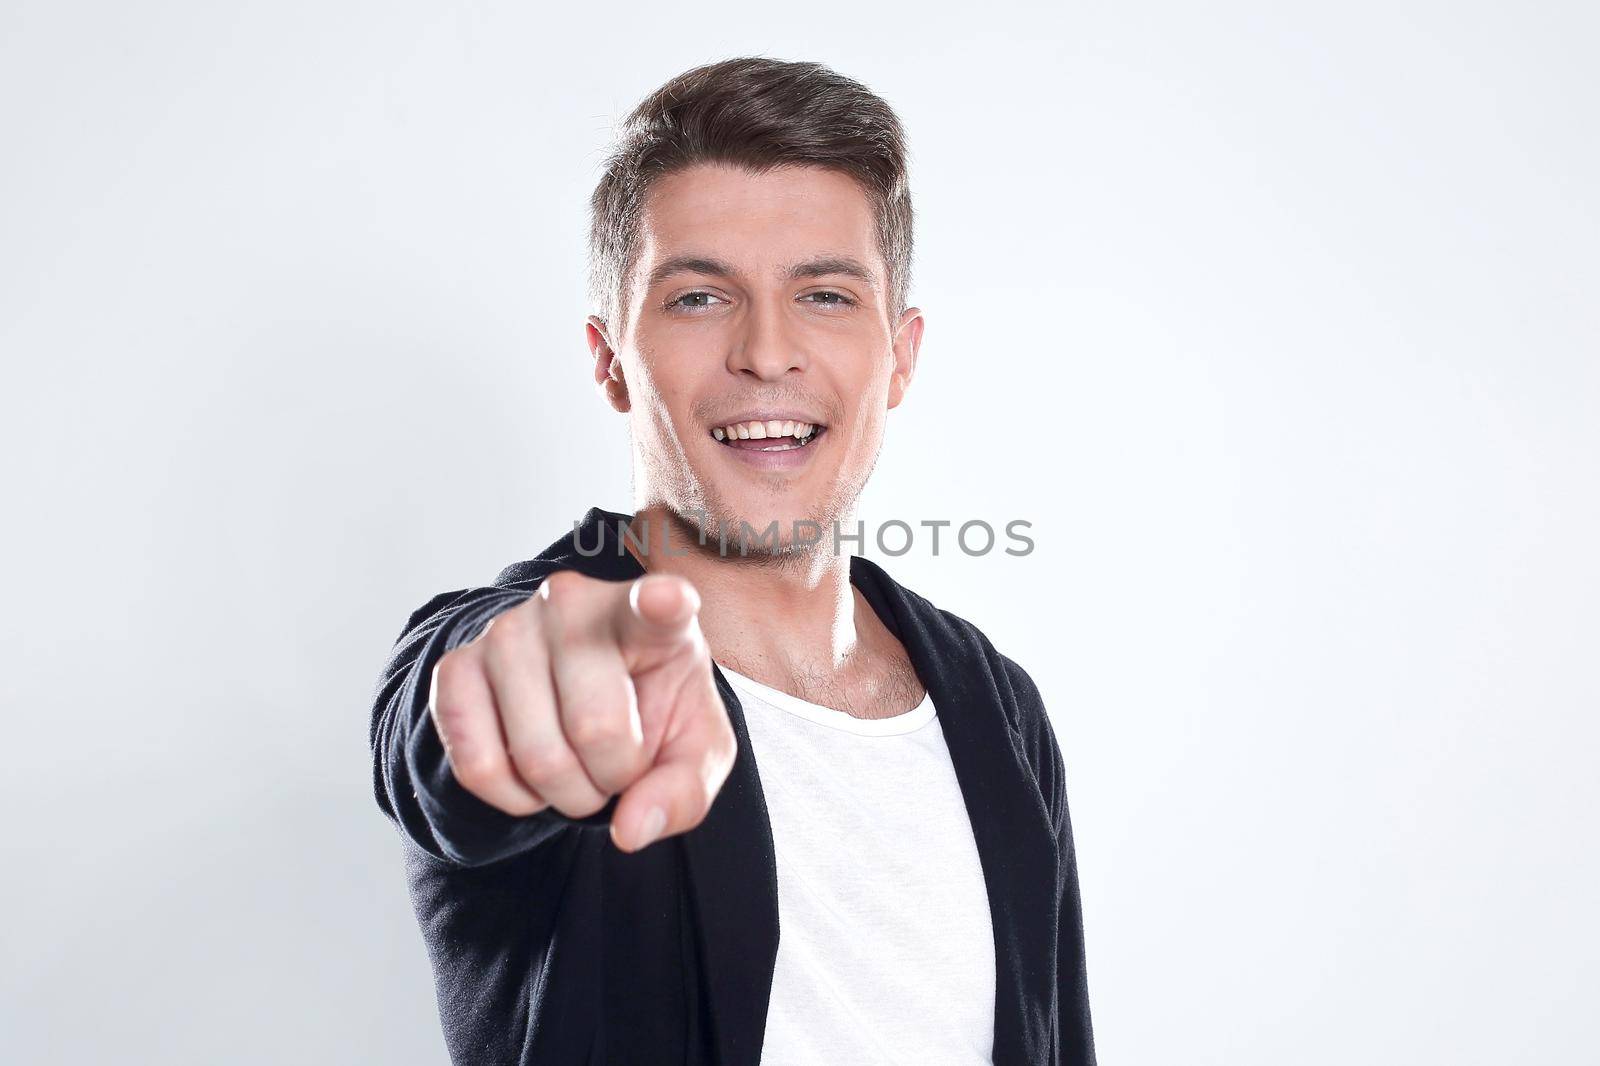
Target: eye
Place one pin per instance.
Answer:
(829, 298)
(698, 300)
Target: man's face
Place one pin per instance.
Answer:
(759, 359)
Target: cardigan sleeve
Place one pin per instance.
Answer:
(1072, 996)
(1075, 1027)
(412, 778)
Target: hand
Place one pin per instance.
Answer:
(586, 690)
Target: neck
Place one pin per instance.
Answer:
(763, 616)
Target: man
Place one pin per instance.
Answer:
(763, 804)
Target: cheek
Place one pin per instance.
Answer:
(654, 373)
(871, 391)
(866, 429)
(664, 408)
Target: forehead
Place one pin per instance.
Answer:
(757, 220)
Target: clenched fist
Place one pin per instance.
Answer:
(590, 689)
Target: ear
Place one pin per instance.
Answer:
(907, 342)
(607, 366)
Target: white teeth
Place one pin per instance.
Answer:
(771, 428)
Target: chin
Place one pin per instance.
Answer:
(767, 528)
(727, 502)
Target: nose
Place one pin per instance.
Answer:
(765, 347)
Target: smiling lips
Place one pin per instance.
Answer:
(783, 434)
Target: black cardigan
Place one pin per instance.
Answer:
(549, 945)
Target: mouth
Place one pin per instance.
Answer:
(771, 435)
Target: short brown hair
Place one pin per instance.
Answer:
(759, 114)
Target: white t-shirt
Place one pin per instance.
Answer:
(885, 942)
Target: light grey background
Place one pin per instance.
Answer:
(1277, 321)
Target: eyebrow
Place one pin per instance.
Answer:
(690, 264)
(823, 266)
(833, 264)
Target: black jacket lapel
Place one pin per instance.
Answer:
(733, 877)
(729, 859)
(1010, 824)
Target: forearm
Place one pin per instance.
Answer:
(1072, 996)
(413, 780)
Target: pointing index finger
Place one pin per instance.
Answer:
(658, 612)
